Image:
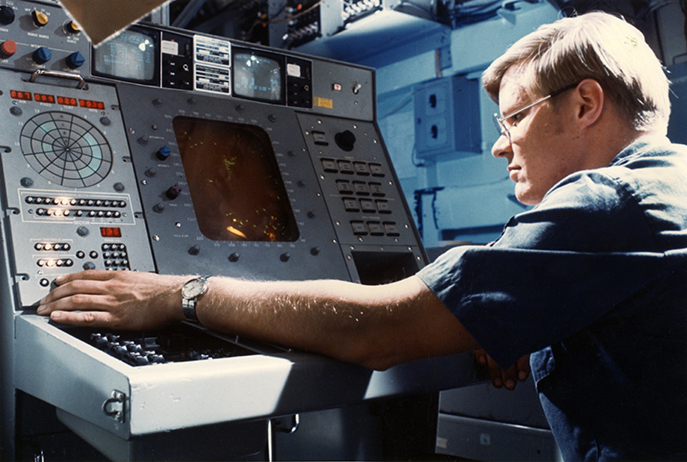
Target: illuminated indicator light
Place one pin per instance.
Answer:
(23, 95)
(44, 98)
(111, 232)
(67, 101)
(233, 230)
(91, 104)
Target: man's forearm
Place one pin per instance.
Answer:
(377, 326)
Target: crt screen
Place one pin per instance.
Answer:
(257, 77)
(234, 181)
(129, 55)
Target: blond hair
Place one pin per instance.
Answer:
(595, 45)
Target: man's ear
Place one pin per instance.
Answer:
(589, 101)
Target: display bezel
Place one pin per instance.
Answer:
(280, 59)
(155, 36)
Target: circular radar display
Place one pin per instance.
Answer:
(66, 149)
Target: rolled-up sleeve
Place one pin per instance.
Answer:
(516, 301)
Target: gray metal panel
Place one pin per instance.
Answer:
(71, 375)
(343, 90)
(54, 35)
(175, 229)
(57, 151)
(477, 439)
(55, 367)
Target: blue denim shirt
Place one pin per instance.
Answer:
(592, 282)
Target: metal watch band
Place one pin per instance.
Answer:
(188, 304)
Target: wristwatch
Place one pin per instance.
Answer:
(190, 293)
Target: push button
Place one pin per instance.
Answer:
(320, 138)
(351, 205)
(376, 170)
(376, 189)
(383, 207)
(391, 229)
(359, 228)
(376, 228)
(330, 166)
(361, 168)
(344, 187)
(368, 206)
(361, 189)
(346, 167)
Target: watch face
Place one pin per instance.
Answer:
(194, 288)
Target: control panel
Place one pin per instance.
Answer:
(170, 151)
(70, 192)
(40, 35)
(177, 152)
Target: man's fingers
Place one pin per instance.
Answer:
(82, 318)
(523, 366)
(70, 286)
(71, 302)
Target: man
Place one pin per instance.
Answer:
(591, 281)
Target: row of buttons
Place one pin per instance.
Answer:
(374, 228)
(360, 188)
(41, 212)
(366, 205)
(115, 255)
(350, 168)
(55, 262)
(51, 246)
(136, 354)
(65, 201)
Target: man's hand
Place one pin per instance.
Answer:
(123, 300)
(518, 372)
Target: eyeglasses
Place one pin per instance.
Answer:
(500, 122)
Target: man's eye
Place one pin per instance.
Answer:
(514, 119)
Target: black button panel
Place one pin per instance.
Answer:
(363, 196)
(160, 347)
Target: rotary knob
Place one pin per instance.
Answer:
(8, 48)
(75, 60)
(42, 55)
(174, 191)
(40, 19)
(163, 153)
(72, 27)
(6, 15)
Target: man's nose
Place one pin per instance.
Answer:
(502, 147)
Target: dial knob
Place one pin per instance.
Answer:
(40, 19)
(72, 27)
(164, 152)
(42, 55)
(8, 48)
(6, 15)
(75, 60)
(174, 191)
